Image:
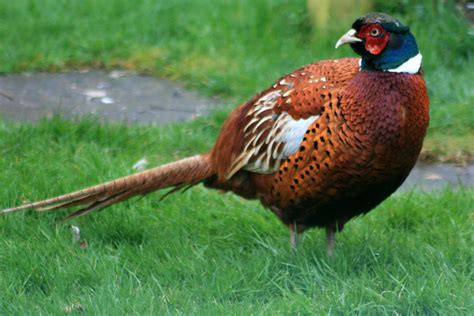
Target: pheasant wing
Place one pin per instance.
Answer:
(274, 122)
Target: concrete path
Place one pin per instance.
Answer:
(113, 96)
(431, 177)
(125, 96)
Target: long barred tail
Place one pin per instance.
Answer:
(187, 171)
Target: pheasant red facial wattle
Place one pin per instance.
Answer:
(325, 143)
(376, 38)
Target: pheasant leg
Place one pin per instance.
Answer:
(330, 240)
(294, 237)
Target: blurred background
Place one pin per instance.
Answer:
(233, 49)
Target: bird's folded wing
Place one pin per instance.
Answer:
(276, 120)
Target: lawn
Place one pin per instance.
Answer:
(207, 253)
(202, 252)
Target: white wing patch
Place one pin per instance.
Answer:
(294, 133)
(283, 136)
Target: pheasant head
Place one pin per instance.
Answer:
(384, 44)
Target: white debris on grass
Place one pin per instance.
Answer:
(140, 165)
(76, 233)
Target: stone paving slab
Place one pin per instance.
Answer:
(112, 96)
(432, 177)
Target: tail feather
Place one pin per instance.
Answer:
(187, 171)
(99, 205)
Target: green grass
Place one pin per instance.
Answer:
(202, 252)
(230, 48)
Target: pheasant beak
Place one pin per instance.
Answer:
(348, 38)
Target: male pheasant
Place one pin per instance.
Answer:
(324, 144)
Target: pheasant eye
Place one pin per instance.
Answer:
(374, 32)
